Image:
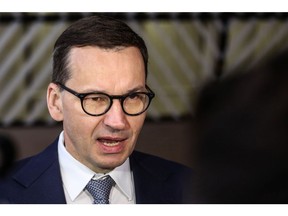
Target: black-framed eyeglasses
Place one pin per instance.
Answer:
(99, 103)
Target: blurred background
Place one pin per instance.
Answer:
(187, 50)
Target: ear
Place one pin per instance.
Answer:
(54, 102)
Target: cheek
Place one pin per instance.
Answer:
(80, 130)
(76, 121)
(72, 111)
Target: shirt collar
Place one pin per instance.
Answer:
(123, 178)
(75, 175)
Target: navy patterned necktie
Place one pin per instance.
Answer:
(100, 189)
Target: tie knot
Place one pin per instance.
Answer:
(100, 189)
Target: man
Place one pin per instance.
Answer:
(99, 92)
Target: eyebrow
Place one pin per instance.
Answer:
(135, 89)
(139, 88)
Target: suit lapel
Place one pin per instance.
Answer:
(149, 180)
(42, 169)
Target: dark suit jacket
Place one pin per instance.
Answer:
(37, 180)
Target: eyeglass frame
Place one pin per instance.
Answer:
(121, 98)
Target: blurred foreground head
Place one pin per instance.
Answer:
(242, 137)
(7, 154)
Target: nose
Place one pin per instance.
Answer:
(115, 118)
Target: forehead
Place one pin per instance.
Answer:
(91, 64)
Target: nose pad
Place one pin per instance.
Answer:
(115, 118)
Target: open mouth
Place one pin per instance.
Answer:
(110, 141)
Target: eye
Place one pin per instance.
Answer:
(99, 98)
(134, 96)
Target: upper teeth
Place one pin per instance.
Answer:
(112, 143)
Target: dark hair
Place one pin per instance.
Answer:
(101, 31)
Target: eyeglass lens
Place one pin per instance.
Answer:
(97, 104)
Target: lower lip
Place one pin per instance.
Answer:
(111, 149)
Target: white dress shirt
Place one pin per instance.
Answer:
(75, 177)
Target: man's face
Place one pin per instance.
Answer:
(102, 142)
